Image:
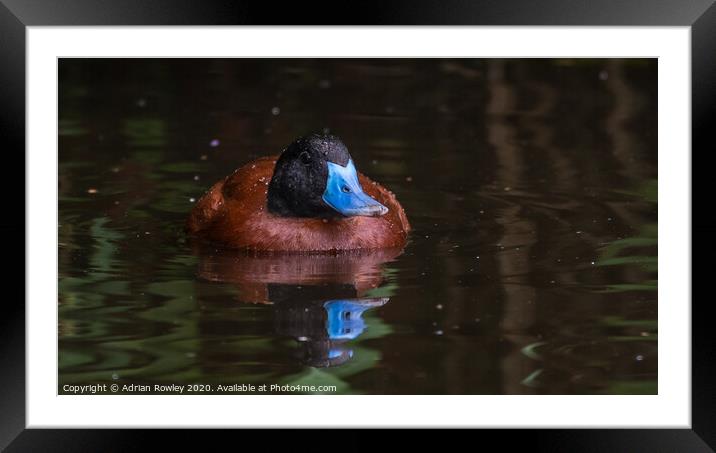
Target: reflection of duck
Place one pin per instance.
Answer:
(344, 316)
(317, 299)
(310, 198)
(324, 329)
(253, 274)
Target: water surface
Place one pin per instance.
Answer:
(530, 184)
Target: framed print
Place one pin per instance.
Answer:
(233, 221)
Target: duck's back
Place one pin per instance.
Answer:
(234, 213)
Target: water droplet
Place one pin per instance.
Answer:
(115, 376)
(214, 143)
(439, 306)
(639, 358)
(603, 74)
(275, 111)
(192, 200)
(92, 190)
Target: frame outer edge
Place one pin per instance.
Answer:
(12, 120)
(369, 12)
(703, 112)
(12, 224)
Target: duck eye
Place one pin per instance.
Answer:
(346, 189)
(305, 157)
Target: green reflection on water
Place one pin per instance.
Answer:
(145, 132)
(70, 128)
(364, 358)
(639, 250)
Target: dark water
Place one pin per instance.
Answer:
(530, 184)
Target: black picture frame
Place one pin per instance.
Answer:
(16, 15)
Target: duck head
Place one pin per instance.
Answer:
(315, 177)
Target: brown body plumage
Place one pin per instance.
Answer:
(234, 213)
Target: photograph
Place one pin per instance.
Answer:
(357, 226)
